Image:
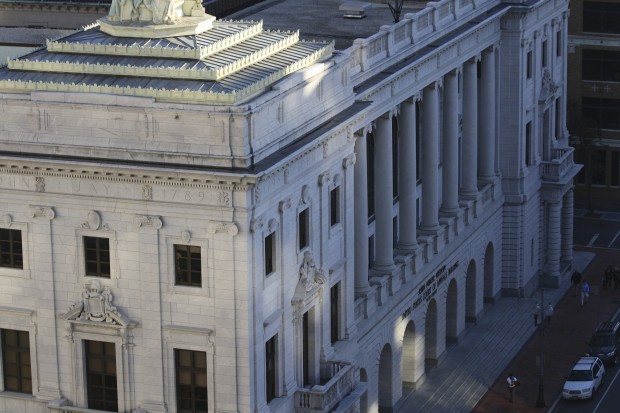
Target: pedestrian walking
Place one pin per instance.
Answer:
(512, 383)
(585, 292)
(607, 277)
(616, 278)
(575, 279)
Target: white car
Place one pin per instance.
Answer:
(584, 379)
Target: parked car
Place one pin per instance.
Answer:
(605, 343)
(584, 379)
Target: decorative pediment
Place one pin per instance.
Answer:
(96, 306)
(310, 284)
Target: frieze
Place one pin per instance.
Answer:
(39, 184)
(428, 288)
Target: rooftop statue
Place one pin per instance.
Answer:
(154, 11)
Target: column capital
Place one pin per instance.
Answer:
(435, 85)
(349, 161)
(41, 211)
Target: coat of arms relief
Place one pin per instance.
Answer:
(96, 305)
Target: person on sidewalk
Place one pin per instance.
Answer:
(575, 279)
(512, 383)
(585, 292)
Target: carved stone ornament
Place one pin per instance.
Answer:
(93, 219)
(186, 236)
(305, 195)
(147, 221)
(7, 220)
(349, 161)
(147, 192)
(39, 183)
(272, 225)
(284, 205)
(96, 305)
(41, 211)
(257, 224)
(549, 87)
(228, 227)
(311, 281)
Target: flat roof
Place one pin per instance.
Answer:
(323, 19)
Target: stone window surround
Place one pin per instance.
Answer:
(188, 338)
(336, 229)
(25, 271)
(99, 332)
(205, 258)
(101, 233)
(21, 319)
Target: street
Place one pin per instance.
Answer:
(602, 232)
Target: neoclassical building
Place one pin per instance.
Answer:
(202, 215)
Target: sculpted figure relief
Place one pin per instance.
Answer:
(155, 11)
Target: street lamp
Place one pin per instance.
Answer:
(540, 313)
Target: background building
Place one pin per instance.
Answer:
(216, 216)
(594, 100)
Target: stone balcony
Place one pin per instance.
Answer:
(339, 381)
(561, 168)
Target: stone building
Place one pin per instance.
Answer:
(207, 215)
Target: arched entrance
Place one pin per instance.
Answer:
(385, 380)
(452, 324)
(470, 293)
(489, 296)
(430, 335)
(408, 361)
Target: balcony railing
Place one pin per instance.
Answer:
(323, 398)
(71, 409)
(561, 162)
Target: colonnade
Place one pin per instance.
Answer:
(476, 155)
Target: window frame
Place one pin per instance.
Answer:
(270, 262)
(81, 253)
(303, 229)
(105, 359)
(19, 350)
(27, 258)
(335, 209)
(193, 370)
(21, 319)
(99, 262)
(189, 259)
(275, 377)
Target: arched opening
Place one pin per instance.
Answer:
(489, 296)
(470, 293)
(364, 398)
(430, 336)
(408, 362)
(452, 324)
(385, 380)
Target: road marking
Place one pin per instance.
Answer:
(606, 390)
(613, 240)
(593, 240)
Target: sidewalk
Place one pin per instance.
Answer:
(473, 372)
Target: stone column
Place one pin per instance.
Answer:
(487, 116)
(384, 229)
(567, 226)
(407, 165)
(360, 226)
(450, 173)
(430, 158)
(469, 150)
(553, 239)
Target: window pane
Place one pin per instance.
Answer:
(191, 380)
(17, 373)
(188, 265)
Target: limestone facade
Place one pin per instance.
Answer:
(346, 223)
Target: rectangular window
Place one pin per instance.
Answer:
(334, 304)
(101, 382)
(187, 265)
(603, 113)
(271, 368)
(530, 65)
(17, 372)
(558, 43)
(600, 65)
(371, 250)
(190, 368)
(334, 206)
(305, 351)
(529, 145)
(544, 53)
(270, 253)
(303, 226)
(11, 248)
(599, 167)
(600, 17)
(97, 256)
(558, 119)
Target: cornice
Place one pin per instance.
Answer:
(214, 181)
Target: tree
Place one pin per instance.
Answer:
(396, 9)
